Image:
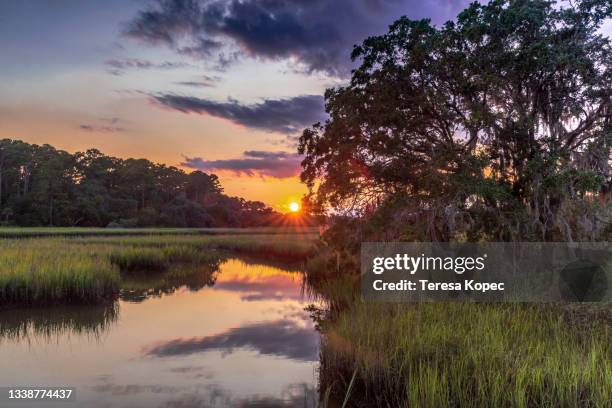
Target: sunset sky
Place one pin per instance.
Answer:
(223, 86)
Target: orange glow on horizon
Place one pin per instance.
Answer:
(62, 132)
(277, 193)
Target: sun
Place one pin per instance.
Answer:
(294, 207)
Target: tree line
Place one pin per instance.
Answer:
(44, 186)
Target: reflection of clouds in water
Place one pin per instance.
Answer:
(211, 395)
(280, 338)
(187, 369)
(257, 282)
(298, 314)
(193, 372)
(261, 296)
(278, 344)
(270, 288)
(131, 389)
(295, 395)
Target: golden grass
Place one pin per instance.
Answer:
(50, 272)
(87, 269)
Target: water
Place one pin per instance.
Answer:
(228, 334)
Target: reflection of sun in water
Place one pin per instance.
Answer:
(294, 207)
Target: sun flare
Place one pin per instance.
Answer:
(294, 207)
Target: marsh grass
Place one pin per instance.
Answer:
(41, 232)
(288, 247)
(456, 354)
(59, 270)
(133, 259)
(139, 286)
(468, 355)
(46, 273)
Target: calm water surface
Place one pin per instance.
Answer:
(233, 334)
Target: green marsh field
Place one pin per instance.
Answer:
(434, 355)
(85, 267)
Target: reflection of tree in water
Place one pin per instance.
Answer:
(46, 323)
(137, 287)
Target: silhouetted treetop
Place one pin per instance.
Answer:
(495, 126)
(40, 185)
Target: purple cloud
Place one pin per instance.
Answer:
(108, 125)
(283, 338)
(317, 34)
(288, 116)
(204, 81)
(269, 164)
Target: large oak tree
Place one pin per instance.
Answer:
(495, 126)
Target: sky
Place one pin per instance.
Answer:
(222, 86)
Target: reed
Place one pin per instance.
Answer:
(468, 355)
(286, 246)
(132, 259)
(290, 247)
(38, 232)
(59, 270)
(49, 272)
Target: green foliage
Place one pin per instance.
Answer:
(40, 185)
(502, 114)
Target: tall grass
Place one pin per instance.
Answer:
(133, 258)
(456, 354)
(289, 247)
(43, 273)
(86, 269)
(468, 355)
(37, 232)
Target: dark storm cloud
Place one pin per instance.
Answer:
(203, 48)
(166, 22)
(317, 34)
(270, 164)
(278, 338)
(275, 115)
